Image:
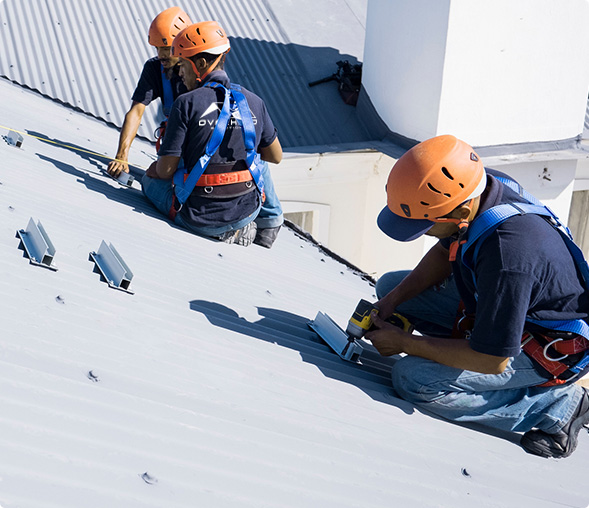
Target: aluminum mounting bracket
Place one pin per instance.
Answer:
(37, 245)
(14, 138)
(111, 266)
(336, 338)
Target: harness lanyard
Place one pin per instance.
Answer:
(488, 221)
(168, 98)
(183, 188)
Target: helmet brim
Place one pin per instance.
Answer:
(219, 50)
(400, 228)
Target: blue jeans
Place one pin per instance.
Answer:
(270, 215)
(510, 401)
(161, 194)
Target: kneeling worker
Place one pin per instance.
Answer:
(211, 176)
(524, 288)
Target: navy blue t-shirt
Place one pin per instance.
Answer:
(522, 269)
(149, 86)
(190, 125)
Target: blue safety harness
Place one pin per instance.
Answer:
(484, 225)
(234, 101)
(168, 98)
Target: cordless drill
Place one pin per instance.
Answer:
(360, 321)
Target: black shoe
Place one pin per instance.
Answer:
(562, 443)
(266, 237)
(244, 236)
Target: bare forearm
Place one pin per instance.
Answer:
(128, 133)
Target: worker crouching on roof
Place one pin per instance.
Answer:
(211, 176)
(159, 80)
(514, 365)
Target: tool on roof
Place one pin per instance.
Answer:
(113, 269)
(349, 78)
(124, 178)
(360, 321)
(37, 245)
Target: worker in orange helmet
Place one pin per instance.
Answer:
(212, 176)
(509, 359)
(159, 79)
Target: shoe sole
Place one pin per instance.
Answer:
(534, 447)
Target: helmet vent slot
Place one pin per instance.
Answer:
(447, 173)
(424, 203)
(432, 188)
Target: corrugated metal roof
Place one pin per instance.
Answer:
(205, 387)
(89, 55)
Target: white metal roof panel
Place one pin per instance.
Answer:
(89, 55)
(206, 388)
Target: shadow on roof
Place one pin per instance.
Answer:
(95, 159)
(291, 331)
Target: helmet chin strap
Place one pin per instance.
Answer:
(199, 76)
(462, 224)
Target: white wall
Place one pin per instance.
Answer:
(550, 181)
(347, 192)
(403, 64)
(488, 72)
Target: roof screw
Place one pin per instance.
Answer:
(147, 478)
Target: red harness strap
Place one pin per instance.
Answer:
(173, 211)
(223, 178)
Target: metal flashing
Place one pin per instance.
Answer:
(37, 245)
(112, 267)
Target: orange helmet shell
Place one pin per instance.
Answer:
(166, 26)
(434, 177)
(203, 37)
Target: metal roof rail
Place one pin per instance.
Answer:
(114, 271)
(37, 245)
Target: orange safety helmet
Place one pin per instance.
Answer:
(427, 182)
(166, 26)
(204, 37)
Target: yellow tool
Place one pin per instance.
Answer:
(360, 322)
